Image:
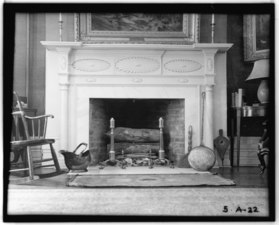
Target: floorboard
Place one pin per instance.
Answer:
(50, 195)
(139, 201)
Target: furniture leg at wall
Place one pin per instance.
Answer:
(237, 114)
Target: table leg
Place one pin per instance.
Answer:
(238, 122)
(232, 139)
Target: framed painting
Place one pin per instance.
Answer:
(136, 27)
(256, 36)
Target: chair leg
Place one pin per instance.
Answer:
(261, 154)
(56, 163)
(30, 163)
(25, 161)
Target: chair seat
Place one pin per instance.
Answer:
(25, 143)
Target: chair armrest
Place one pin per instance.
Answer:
(17, 113)
(39, 117)
(36, 125)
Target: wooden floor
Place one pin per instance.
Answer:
(242, 176)
(245, 176)
(50, 195)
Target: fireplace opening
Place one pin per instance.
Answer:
(137, 114)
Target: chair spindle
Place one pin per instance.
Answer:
(39, 128)
(33, 129)
(45, 126)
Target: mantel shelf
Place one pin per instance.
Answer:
(220, 47)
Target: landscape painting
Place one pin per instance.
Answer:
(137, 22)
(262, 32)
(256, 29)
(114, 27)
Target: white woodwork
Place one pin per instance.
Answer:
(76, 72)
(91, 65)
(208, 117)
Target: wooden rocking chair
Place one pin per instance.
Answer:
(22, 140)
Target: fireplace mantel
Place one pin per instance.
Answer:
(76, 72)
(55, 45)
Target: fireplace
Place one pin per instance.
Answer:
(130, 77)
(137, 114)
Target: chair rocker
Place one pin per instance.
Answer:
(22, 141)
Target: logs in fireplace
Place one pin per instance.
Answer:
(136, 147)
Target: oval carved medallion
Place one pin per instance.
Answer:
(182, 65)
(91, 65)
(137, 64)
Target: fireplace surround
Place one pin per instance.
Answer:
(78, 73)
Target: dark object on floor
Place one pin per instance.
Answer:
(112, 162)
(263, 148)
(75, 161)
(221, 144)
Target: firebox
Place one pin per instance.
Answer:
(137, 114)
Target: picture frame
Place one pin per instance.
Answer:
(256, 36)
(136, 28)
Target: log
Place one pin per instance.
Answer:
(124, 134)
(133, 148)
(136, 156)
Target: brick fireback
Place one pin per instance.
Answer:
(137, 113)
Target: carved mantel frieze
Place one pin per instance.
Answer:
(173, 62)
